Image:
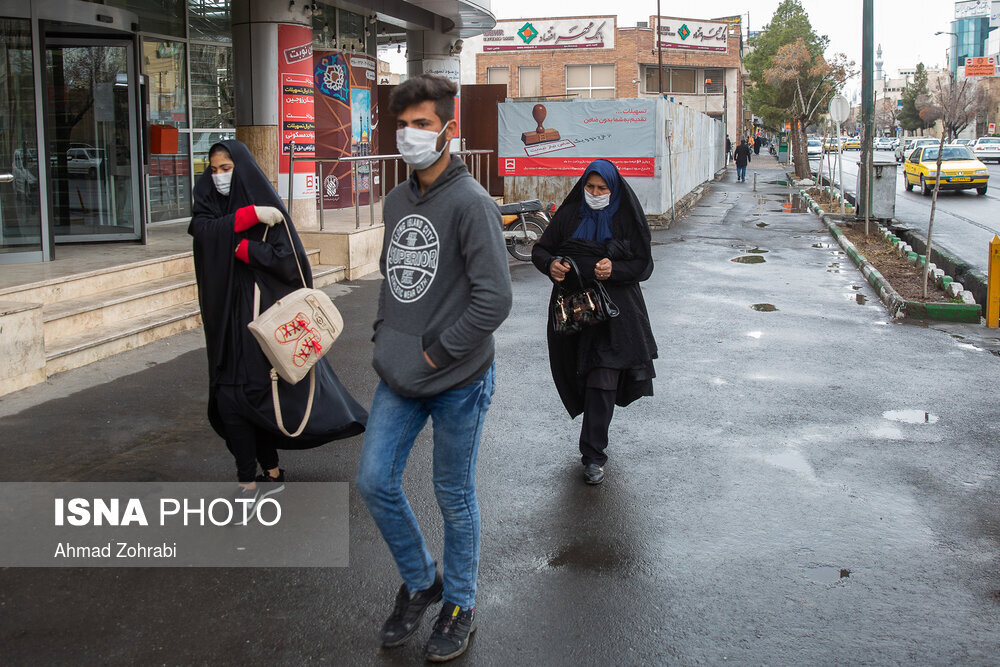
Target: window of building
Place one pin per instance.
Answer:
(714, 81)
(209, 20)
(674, 80)
(161, 17)
(590, 80)
(529, 81)
(212, 85)
(498, 75)
(682, 81)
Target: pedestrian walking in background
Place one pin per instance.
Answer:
(234, 204)
(602, 227)
(742, 157)
(758, 141)
(446, 288)
(729, 149)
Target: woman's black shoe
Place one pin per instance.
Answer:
(593, 473)
(408, 611)
(451, 633)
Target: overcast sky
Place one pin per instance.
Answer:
(904, 28)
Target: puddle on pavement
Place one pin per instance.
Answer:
(589, 556)
(861, 299)
(828, 575)
(790, 461)
(821, 245)
(855, 287)
(748, 259)
(762, 224)
(755, 251)
(754, 334)
(910, 416)
(764, 307)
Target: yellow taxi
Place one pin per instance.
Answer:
(960, 170)
(830, 144)
(852, 144)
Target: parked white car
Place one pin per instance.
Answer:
(815, 147)
(883, 143)
(986, 148)
(84, 161)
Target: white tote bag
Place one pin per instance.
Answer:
(294, 334)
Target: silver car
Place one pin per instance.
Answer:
(986, 148)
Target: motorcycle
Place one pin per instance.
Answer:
(523, 224)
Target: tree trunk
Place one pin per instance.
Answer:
(799, 152)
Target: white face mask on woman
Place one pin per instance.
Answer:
(419, 147)
(223, 182)
(597, 202)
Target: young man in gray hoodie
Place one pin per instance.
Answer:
(446, 288)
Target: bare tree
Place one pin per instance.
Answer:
(885, 116)
(814, 80)
(956, 105)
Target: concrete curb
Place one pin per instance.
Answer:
(968, 311)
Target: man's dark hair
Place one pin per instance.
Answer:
(422, 88)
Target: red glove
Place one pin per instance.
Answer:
(243, 249)
(246, 218)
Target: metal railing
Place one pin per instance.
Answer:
(473, 155)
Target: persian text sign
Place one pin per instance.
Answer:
(597, 32)
(981, 66)
(297, 120)
(693, 35)
(562, 138)
(972, 8)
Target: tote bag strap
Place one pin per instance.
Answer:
(274, 374)
(277, 403)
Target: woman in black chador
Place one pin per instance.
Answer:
(234, 204)
(601, 226)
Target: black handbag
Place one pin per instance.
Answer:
(582, 307)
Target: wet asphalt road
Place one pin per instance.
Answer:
(774, 503)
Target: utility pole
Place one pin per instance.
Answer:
(868, 106)
(659, 51)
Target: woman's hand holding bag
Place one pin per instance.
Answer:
(582, 307)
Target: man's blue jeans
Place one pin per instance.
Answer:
(393, 425)
(741, 172)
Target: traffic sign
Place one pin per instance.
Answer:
(839, 109)
(993, 128)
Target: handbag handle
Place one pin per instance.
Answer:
(574, 268)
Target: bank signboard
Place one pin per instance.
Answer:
(972, 9)
(562, 138)
(693, 35)
(593, 32)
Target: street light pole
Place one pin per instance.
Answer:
(868, 105)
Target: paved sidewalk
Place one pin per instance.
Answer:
(811, 485)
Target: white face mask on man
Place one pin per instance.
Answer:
(223, 182)
(597, 202)
(419, 147)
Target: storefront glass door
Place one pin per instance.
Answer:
(91, 140)
(20, 215)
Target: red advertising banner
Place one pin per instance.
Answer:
(573, 166)
(346, 118)
(296, 114)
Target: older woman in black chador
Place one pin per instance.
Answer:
(234, 204)
(601, 226)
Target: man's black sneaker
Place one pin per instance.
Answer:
(244, 504)
(451, 633)
(408, 611)
(593, 474)
(269, 485)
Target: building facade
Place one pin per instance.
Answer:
(593, 57)
(111, 107)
